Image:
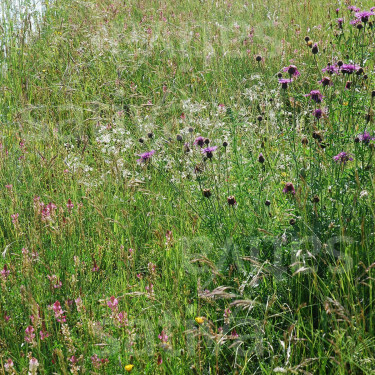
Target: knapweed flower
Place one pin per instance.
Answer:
(209, 151)
(315, 95)
(355, 22)
(128, 368)
(231, 200)
(146, 156)
(206, 193)
(289, 188)
(326, 81)
(340, 21)
(330, 69)
(349, 68)
(284, 82)
(342, 157)
(364, 16)
(199, 319)
(261, 158)
(292, 70)
(353, 8)
(318, 113)
(199, 141)
(365, 137)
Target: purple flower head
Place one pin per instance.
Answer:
(315, 95)
(292, 70)
(289, 188)
(342, 157)
(349, 68)
(355, 22)
(337, 10)
(209, 151)
(353, 8)
(330, 69)
(365, 137)
(145, 156)
(318, 113)
(340, 21)
(364, 16)
(199, 141)
(326, 81)
(284, 82)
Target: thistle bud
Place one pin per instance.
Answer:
(231, 200)
(207, 193)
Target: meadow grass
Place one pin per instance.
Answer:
(170, 205)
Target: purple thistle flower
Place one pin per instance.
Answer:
(353, 8)
(340, 21)
(326, 81)
(289, 188)
(364, 16)
(284, 82)
(318, 113)
(145, 156)
(330, 69)
(342, 157)
(315, 95)
(365, 137)
(209, 151)
(199, 141)
(337, 10)
(349, 68)
(292, 70)
(356, 21)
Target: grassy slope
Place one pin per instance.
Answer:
(97, 76)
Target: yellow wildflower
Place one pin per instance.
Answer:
(128, 368)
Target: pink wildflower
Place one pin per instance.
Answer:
(112, 303)
(29, 334)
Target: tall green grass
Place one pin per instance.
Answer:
(102, 254)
